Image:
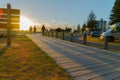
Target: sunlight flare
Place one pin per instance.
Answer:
(25, 23)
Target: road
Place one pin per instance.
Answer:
(80, 61)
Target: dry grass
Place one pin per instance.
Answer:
(97, 40)
(27, 62)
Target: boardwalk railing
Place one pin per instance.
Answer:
(83, 39)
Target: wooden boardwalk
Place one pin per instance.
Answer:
(80, 61)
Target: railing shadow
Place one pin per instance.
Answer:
(98, 62)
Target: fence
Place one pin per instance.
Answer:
(82, 39)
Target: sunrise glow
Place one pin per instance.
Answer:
(25, 23)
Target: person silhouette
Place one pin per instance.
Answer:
(43, 30)
(34, 29)
(30, 29)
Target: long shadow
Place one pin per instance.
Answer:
(2, 51)
(97, 68)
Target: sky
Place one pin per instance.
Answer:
(71, 12)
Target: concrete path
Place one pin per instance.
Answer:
(81, 62)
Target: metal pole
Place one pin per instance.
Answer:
(105, 46)
(8, 24)
(56, 34)
(84, 38)
(71, 37)
(52, 33)
(63, 34)
(48, 33)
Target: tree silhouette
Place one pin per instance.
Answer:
(115, 13)
(83, 27)
(91, 22)
(68, 29)
(78, 28)
(58, 30)
(30, 28)
(34, 29)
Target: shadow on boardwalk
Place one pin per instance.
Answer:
(80, 61)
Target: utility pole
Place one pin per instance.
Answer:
(8, 24)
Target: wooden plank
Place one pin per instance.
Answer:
(3, 25)
(13, 11)
(12, 20)
(111, 76)
(2, 11)
(93, 70)
(12, 16)
(97, 74)
(15, 20)
(3, 20)
(118, 78)
(14, 26)
(3, 16)
(15, 16)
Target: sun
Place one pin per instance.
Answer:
(25, 23)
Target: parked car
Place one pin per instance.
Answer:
(113, 33)
(87, 32)
(96, 33)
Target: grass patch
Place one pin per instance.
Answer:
(97, 40)
(28, 62)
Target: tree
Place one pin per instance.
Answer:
(68, 29)
(115, 13)
(58, 30)
(34, 29)
(91, 22)
(83, 27)
(30, 29)
(78, 28)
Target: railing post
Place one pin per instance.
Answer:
(71, 38)
(52, 33)
(45, 33)
(84, 38)
(48, 33)
(56, 34)
(63, 34)
(105, 46)
(8, 24)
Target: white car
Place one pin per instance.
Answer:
(113, 33)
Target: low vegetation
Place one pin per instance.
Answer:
(25, 61)
(97, 40)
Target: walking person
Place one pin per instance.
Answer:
(30, 29)
(43, 30)
(34, 29)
